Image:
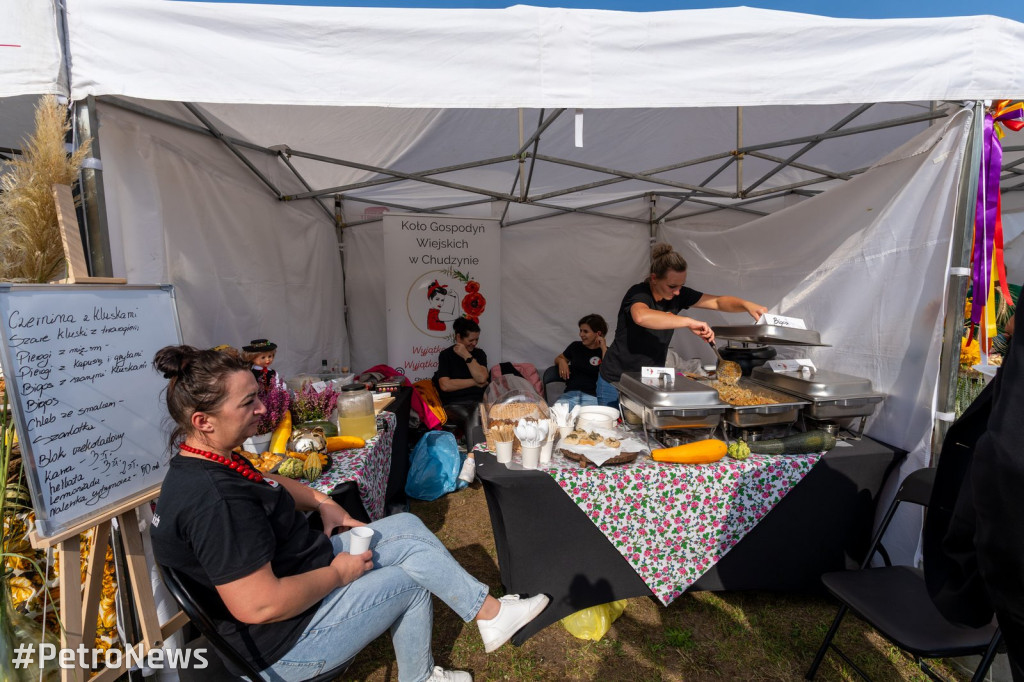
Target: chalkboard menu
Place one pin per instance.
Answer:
(87, 402)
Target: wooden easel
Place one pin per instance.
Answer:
(78, 615)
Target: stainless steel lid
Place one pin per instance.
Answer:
(820, 384)
(683, 392)
(772, 334)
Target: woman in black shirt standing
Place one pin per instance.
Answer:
(649, 315)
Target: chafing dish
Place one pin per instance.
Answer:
(785, 409)
(771, 334)
(678, 404)
(831, 395)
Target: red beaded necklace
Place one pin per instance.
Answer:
(235, 463)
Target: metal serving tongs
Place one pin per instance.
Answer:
(727, 371)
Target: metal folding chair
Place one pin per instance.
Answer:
(895, 601)
(183, 589)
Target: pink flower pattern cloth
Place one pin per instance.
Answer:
(672, 522)
(368, 466)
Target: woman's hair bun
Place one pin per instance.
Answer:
(171, 361)
(660, 249)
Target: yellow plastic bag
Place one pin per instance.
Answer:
(594, 622)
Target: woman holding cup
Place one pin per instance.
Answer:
(298, 602)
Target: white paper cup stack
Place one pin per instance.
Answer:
(503, 451)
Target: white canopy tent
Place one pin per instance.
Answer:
(814, 165)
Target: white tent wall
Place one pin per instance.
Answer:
(182, 209)
(31, 58)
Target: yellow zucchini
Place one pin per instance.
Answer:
(282, 432)
(335, 443)
(698, 452)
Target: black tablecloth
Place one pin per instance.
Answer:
(394, 496)
(546, 544)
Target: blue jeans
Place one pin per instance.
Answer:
(410, 564)
(574, 398)
(607, 395)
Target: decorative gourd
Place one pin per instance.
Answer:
(335, 443)
(738, 449)
(797, 444)
(301, 457)
(698, 452)
(311, 469)
(290, 467)
(282, 432)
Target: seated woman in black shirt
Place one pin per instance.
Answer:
(298, 602)
(462, 375)
(580, 363)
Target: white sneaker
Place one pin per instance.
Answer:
(442, 675)
(514, 614)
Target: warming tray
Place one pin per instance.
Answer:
(769, 334)
(832, 395)
(785, 411)
(684, 392)
(684, 405)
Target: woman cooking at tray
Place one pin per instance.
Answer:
(648, 316)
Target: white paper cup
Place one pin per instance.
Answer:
(545, 452)
(564, 431)
(359, 539)
(504, 452)
(531, 456)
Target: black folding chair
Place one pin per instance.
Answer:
(894, 601)
(183, 589)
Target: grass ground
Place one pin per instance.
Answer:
(701, 636)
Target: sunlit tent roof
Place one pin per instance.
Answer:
(816, 165)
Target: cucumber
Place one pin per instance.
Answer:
(797, 444)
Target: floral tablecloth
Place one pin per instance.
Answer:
(368, 467)
(672, 522)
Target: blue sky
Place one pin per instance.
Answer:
(863, 9)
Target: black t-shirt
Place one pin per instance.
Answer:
(450, 365)
(635, 346)
(584, 366)
(216, 526)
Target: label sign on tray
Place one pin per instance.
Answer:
(771, 319)
(790, 365)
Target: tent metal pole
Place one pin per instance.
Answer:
(683, 199)
(345, 189)
(533, 157)
(794, 185)
(177, 122)
(956, 291)
(333, 216)
(540, 129)
(632, 176)
(418, 177)
(846, 175)
(94, 202)
(806, 148)
(739, 155)
(818, 137)
(232, 147)
(522, 160)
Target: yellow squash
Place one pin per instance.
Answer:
(335, 443)
(698, 452)
(282, 432)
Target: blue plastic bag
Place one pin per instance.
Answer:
(434, 469)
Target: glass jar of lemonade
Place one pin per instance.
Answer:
(355, 412)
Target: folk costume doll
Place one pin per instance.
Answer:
(261, 352)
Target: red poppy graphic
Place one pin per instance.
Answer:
(472, 286)
(473, 318)
(474, 304)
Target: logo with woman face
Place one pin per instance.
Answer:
(439, 297)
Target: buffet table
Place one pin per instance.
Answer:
(724, 533)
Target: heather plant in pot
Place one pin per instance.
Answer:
(312, 408)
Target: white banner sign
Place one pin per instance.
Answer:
(439, 268)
